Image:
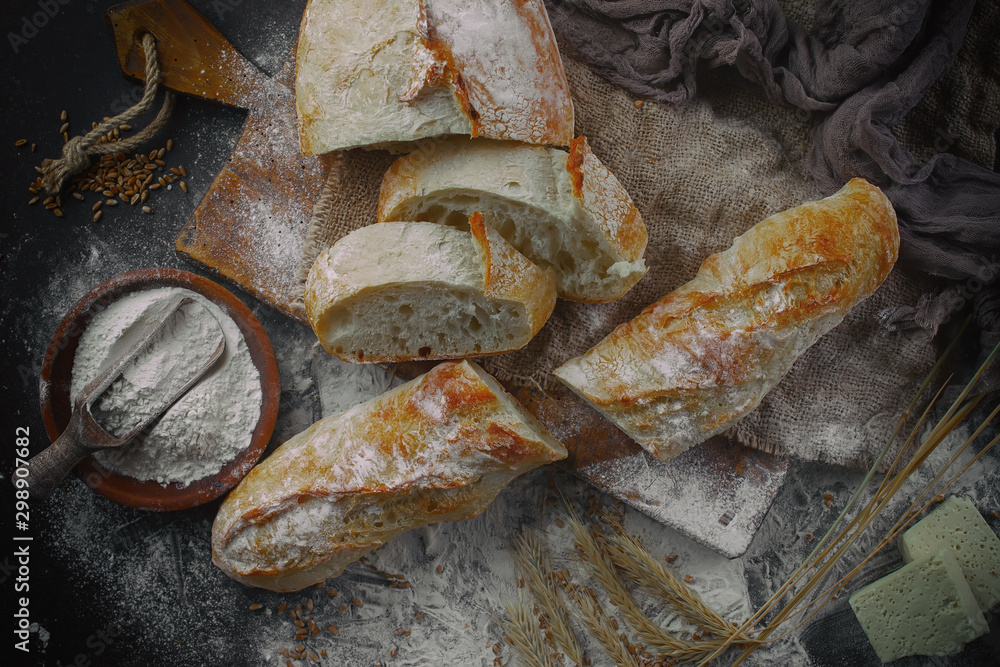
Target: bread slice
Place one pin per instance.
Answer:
(395, 291)
(438, 448)
(379, 72)
(693, 363)
(564, 210)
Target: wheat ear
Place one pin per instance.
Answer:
(521, 633)
(630, 556)
(599, 624)
(540, 580)
(955, 415)
(598, 563)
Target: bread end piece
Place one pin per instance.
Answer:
(374, 74)
(398, 291)
(699, 359)
(438, 448)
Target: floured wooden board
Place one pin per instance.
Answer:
(716, 493)
(250, 227)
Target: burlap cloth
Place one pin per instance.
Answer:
(701, 175)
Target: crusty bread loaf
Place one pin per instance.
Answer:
(564, 210)
(438, 448)
(380, 72)
(697, 360)
(394, 291)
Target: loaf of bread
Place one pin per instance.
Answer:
(395, 291)
(438, 448)
(693, 363)
(564, 210)
(380, 72)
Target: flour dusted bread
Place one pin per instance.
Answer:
(693, 363)
(438, 448)
(564, 210)
(394, 291)
(381, 72)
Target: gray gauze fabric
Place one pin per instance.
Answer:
(863, 66)
(701, 175)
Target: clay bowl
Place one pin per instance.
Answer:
(57, 373)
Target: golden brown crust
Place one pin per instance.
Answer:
(478, 229)
(442, 446)
(509, 77)
(606, 199)
(700, 358)
(559, 117)
(442, 64)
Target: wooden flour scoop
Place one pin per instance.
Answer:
(267, 185)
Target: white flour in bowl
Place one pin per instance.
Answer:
(206, 428)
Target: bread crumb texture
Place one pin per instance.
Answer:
(395, 291)
(562, 210)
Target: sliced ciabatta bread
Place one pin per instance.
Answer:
(381, 72)
(693, 363)
(438, 448)
(564, 210)
(394, 291)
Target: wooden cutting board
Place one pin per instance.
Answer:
(250, 230)
(716, 493)
(250, 227)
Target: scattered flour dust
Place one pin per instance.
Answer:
(206, 428)
(343, 385)
(154, 579)
(154, 573)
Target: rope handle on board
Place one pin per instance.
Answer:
(78, 151)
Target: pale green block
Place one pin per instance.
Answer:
(924, 608)
(957, 524)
